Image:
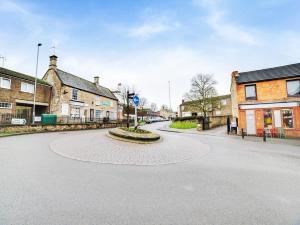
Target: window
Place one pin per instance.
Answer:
(75, 112)
(26, 87)
(98, 114)
(287, 118)
(293, 88)
(5, 83)
(5, 105)
(223, 101)
(74, 94)
(97, 102)
(250, 91)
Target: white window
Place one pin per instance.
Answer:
(97, 101)
(5, 105)
(74, 94)
(75, 112)
(223, 102)
(64, 109)
(5, 83)
(26, 87)
(98, 114)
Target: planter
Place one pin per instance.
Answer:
(145, 137)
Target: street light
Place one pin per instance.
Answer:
(35, 81)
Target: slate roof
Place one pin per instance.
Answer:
(23, 76)
(85, 85)
(275, 73)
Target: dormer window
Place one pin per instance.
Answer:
(250, 92)
(74, 94)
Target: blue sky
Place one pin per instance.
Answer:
(146, 43)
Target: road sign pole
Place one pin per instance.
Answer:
(135, 118)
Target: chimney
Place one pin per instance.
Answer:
(53, 62)
(96, 80)
(235, 74)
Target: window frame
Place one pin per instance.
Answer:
(27, 85)
(72, 94)
(293, 118)
(9, 105)
(250, 98)
(5, 78)
(287, 90)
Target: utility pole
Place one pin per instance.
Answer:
(170, 105)
(35, 81)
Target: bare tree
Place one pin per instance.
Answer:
(164, 107)
(142, 104)
(122, 93)
(202, 93)
(153, 107)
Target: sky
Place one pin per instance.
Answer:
(146, 43)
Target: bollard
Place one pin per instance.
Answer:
(264, 136)
(243, 135)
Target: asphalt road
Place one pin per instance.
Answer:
(235, 182)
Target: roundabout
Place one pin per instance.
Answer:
(98, 147)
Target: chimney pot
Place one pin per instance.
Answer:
(53, 62)
(96, 80)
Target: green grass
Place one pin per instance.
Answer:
(183, 125)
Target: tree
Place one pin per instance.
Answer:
(202, 93)
(122, 93)
(164, 107)
(142, 104)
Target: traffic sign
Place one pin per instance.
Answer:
(136, 100)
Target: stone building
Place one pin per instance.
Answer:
(222, 107)
(17, 94)
(76, 97)
(267, 98)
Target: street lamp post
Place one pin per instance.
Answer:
(35, 81)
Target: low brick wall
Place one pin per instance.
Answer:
(51, 128)
(216, 121)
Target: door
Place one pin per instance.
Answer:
(277, 118)
(250, 122)
(92, 114)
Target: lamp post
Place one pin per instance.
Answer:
(35, 81)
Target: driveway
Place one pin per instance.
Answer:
(223, 180)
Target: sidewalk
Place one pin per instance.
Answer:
(222, 132)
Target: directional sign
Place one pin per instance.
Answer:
(136, 100)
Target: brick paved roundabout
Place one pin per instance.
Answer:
(193, 179)
(98, 147)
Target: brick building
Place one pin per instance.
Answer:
(221, 107)
(17, 94)
(75, 97)
(267, 98)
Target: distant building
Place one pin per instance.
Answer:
(267, 98)
(17, 94)
(79, 98)
(221, 107)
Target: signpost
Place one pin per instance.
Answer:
(136, 101)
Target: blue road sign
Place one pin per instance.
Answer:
(136, 100)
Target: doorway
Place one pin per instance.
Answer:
(91, 114)
(250, 122)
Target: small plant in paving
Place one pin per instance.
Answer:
(132, 129)
(183, 125)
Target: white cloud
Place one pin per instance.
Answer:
(216, 19)
(149, 29)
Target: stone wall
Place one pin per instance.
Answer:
(50, 128)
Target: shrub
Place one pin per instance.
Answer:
(131, 129)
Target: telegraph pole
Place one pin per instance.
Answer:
(3, 59)
(170, 105)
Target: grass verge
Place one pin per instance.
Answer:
(183, 125)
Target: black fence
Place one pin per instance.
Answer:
(16, 119)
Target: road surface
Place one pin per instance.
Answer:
(213, 180)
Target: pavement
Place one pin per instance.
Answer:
(225, 180)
